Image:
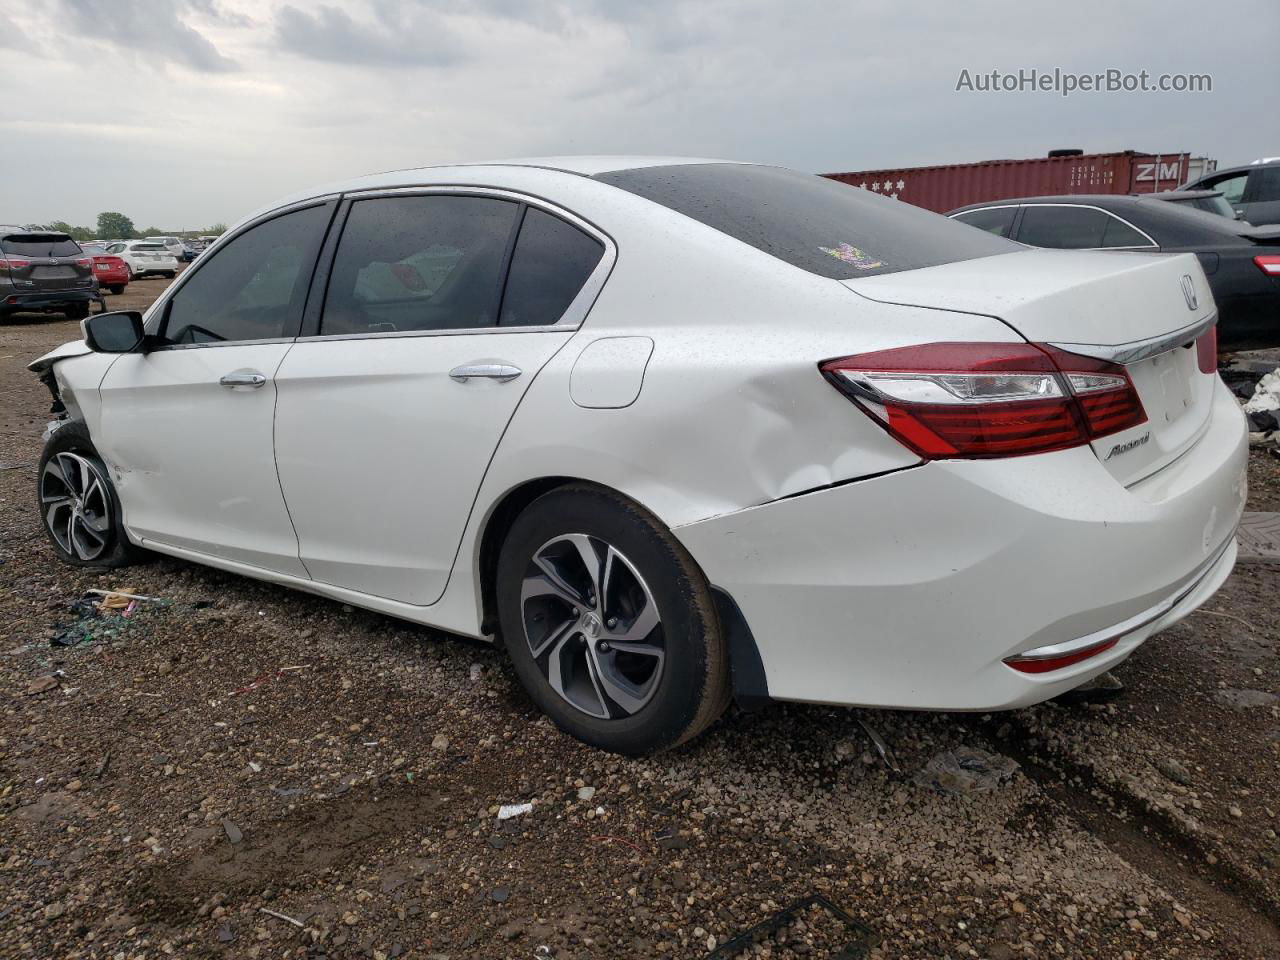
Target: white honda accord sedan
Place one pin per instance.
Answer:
(671, 432)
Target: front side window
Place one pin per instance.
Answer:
(418, 263)
(254, 287)
(1232, 187)
(825, 227)
(551, 261)
(997, 220)
(1066, 228)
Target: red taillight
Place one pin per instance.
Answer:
(84, 262)
(1269, 265)
(968, 400)
(1049, 664)
(1207, 350)
(12, 263)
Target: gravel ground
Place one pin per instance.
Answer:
(242, 748)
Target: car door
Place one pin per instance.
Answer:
(187, 426)
(440, 310)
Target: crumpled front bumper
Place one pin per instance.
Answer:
(911, 589)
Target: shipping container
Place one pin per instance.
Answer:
(954, 185)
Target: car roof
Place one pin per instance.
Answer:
(1156, 215)
(1243, 168)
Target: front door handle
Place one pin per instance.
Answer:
(243, 380)
(502, 372)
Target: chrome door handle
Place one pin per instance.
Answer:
(243, 380)
(502, 372)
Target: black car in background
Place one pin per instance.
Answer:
(45, 272)
(1241, 261)
(1254, 191)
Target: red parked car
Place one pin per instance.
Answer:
(112, 272)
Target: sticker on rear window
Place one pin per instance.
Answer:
(853, 256)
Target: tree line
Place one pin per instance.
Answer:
(116, 226)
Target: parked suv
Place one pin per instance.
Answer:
(1252, 191)
(45, 272)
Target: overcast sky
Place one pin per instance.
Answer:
(181, 114)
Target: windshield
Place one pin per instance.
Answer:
(819, 225)
(41, 245)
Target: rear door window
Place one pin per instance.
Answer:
(1264, 185)
(820, 225)
(418, 263)
(551, 261)
(1064, 227)
(997, 220)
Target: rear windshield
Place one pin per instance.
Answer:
(819, 225)
(148, 246)
(41, 245)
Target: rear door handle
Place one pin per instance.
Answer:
(243, 380)
(502, 372)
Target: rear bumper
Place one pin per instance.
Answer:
(911, 589)
(48, 299)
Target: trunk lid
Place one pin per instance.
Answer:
(1142, 311)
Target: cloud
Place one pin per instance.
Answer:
(409, 36)
(151, 28)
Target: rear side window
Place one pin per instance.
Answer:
(418, 263)
(1068, 228)
(551, 261)
(41, 245)
(997, 220)
(828, 228)
(1120, 234)
(254, 287)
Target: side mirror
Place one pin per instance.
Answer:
(119, 332)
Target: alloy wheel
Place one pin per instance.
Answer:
(592, 626)
(77, 508)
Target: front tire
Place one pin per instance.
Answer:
(609, 623)
(79, 509)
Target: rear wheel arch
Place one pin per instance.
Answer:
(498, 525)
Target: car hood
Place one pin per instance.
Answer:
(1060, 296)
(74, 348)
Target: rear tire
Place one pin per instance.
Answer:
(79, 509)
(170, 274)
(117, 288)
(609, 623)
(77, 311)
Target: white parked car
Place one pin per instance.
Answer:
(145, 258)
(174, 245)
(672, 431)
